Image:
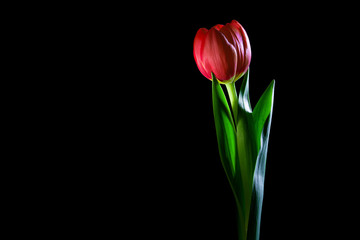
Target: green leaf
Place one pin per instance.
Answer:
(263, 117)
(225, 130)
(262, 110)
(244, 98)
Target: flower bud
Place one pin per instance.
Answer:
(223, 50)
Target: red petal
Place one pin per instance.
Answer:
(198, 50)
(219, 56)
(218, 26)
(236, 25)
(236, 40)
(244, 49)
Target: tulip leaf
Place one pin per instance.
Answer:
(244, 98)
(263, 109)
(225, 130)
(262, 117)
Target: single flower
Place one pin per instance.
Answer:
(223, 50)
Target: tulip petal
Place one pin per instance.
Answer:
(233, 38)
(219, 56)
(218, 26)
(243, 44)
(198, 49)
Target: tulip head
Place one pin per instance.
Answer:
(223, 50)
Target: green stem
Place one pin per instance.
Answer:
(233, 100)
(244, 146)
(243, 191)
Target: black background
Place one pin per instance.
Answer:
(141, 146)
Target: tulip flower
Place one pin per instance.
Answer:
(223, 55)
(223, 50)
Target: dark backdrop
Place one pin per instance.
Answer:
(145, 136)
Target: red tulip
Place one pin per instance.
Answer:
(223, 50)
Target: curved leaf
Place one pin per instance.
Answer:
(262, 110)
(244, 98)
(225, 130)
(263, 117)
